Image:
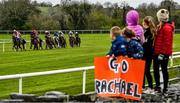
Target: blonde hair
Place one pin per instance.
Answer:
(150, 22)
(115, 31)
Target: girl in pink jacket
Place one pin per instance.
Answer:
(132, 20)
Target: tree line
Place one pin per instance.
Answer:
(68, 15)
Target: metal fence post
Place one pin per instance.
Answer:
(20, 85)
(91, 31)
(171, 60)
(179, 72)
(84, 82)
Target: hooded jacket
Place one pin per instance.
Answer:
(164, 39)
(132, 19)
(118, 47)
(134, 49)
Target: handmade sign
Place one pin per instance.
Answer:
(119, 77)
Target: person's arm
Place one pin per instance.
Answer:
(139, 51)
(110, 52)
(141, 34)
(112, 49)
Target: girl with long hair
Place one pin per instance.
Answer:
(149, 34)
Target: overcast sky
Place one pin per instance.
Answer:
(133, 3)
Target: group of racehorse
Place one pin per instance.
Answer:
(57, 41)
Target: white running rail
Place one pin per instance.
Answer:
(21, 76)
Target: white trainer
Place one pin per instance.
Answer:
(149, 91)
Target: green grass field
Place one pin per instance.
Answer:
(43, 60)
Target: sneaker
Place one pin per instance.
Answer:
(143, 89)
(165, 92)
(149, 91)
(157, 89)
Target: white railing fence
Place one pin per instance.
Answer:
(175, 55)
(83, 69)
(25, 75)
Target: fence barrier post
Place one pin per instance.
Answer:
(84, 82)
(171, 60)
(179, 72)
(20, 85)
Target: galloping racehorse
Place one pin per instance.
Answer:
(77, 40)
(49, 40)
(62, 41)
(18, 41)
(35, 40)
(56, 39)
(37, 43)
(71, 39)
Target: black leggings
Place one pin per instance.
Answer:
(147, 72)
(163, 63)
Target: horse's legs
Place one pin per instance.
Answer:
(34, 47)
(23, 46)
(71, 44)
(31, 45)
(17, 47)
(58, 44)
(47, 46)
(40, 45)
(54, 44)
(20, 47)
(14, 46)
(51, 46)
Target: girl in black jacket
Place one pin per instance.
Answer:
(149, 33)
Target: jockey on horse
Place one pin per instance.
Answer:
(62, 40)
(56, 38)
(32, 35)
(35, 40)
(47, 35)
(61, 33)
(77, 39)
(49, 40)
(17, 40)
(16, 34)
(71, 39)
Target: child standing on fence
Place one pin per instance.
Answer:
(150, 31)
(118, 43)
(163, 48)
(134, 48)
